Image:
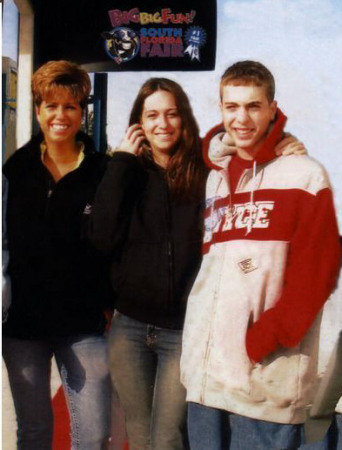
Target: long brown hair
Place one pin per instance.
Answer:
(186, 171)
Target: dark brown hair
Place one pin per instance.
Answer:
(185, 172)
(249, 73)
(55, 74)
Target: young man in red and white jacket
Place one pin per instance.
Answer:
(271, 258)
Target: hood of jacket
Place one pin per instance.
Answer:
(218, 147)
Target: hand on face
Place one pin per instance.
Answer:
(133, 139)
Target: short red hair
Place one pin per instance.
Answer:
(57, 74)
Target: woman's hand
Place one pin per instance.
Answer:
(290, 145)
(133, 139)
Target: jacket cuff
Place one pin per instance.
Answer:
(260, 342)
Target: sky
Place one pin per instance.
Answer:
(300, 41)
(10, 30)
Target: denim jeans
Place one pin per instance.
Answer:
(83, 366)
(214, 429)
(144, 365)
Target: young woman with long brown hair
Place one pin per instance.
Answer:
(147, 215)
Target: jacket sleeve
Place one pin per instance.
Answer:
(312, 268)
(114, 201)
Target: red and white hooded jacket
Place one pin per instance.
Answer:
(271, 259)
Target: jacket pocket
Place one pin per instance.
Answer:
(277, 382)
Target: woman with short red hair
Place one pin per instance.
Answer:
(58, 300)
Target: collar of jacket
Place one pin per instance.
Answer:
(148, 161)
(87, 141)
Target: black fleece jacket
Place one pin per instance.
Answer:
(58, 281)
(154, 241)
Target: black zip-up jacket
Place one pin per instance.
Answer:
(58, 286)
(154, 241)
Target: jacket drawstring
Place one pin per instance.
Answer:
(251, 201)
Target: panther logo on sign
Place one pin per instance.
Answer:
(121, 44)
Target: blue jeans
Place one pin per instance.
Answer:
(214, 429)
(83, 366)
(144, 365)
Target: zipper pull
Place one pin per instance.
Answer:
(50, 189)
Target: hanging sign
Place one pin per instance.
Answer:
(128, 35)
